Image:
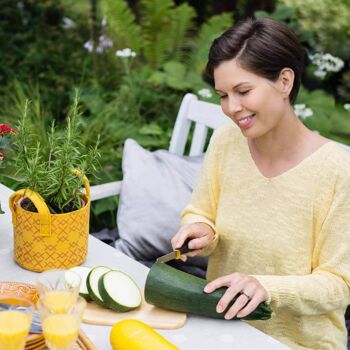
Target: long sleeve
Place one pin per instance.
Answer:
(204, 199)
(327, 288)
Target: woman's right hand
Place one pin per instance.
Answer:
(200, 235)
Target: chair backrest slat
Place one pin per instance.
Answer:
(198, 140)
(205, 115)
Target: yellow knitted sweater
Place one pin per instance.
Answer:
(291, 232)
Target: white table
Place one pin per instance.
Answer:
(198, 332)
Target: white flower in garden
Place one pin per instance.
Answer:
(103, 43)
(104, 22)
(68, 23)
(347, 106)
(299, 107)
(89, 46)
(302, 111)
(20, 4)
(205, 93)
(320, 73)
(125, 53)
(307, 113)
(326, 63)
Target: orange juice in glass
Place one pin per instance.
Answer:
(15, 318)
(61, 329)
(59, 301)
(58, 289)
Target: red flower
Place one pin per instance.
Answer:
(4, 129)
(1, 155)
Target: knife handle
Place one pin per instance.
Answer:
(185, 249)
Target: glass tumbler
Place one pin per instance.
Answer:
(61, 329)
(58, 289)
(16, 315)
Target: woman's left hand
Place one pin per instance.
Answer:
(251, 294)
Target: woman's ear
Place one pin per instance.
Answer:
(286, 80)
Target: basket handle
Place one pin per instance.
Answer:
(43, 210)
(38, 201)
(86, 183)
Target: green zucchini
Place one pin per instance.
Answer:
(172, 289)
(92, 283)
(118, 291)
(83, 272)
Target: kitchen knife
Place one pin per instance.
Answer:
(176, 253)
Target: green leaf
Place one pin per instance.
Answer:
(328, 118)
(283, 13)
(340, 119)
(210, 30)
(158, 78)
(151, 129)
(173, 76)
(181, 23)
(121, 21)
(258, 14)
(105, 205)
(156, 18)
(316, 98)
(176, 75)
(153, 141)
(175, 68)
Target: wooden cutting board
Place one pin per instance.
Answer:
(151, 315)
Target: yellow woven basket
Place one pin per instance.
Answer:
(44, 241)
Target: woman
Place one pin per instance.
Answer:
(271, 207)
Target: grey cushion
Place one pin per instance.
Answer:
(155, 189)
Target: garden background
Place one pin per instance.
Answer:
(132, 62)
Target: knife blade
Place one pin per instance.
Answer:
(176, 253)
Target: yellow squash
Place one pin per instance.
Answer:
(136, 335)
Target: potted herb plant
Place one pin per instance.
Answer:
(50, 214)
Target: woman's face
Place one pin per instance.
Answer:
(255, 104)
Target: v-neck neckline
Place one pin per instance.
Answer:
(291, 170)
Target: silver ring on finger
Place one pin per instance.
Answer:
(246, 295)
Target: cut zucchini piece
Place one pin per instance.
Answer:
(118, 291)
(83, 272)
(92, 283)
(72, 279)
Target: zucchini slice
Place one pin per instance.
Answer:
(118, 291)
(172, 289)
(72, 279)
(92, 283)
(83, 272)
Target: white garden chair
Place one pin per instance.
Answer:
(204, 115)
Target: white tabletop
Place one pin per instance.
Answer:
(198, 332)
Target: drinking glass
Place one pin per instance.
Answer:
(58, 289)
(61, 329)
(16, 315)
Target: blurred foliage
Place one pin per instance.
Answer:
(52, 50)
(329, 118)
(327, 21)
(35, 47)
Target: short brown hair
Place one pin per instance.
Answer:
(262, 46)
